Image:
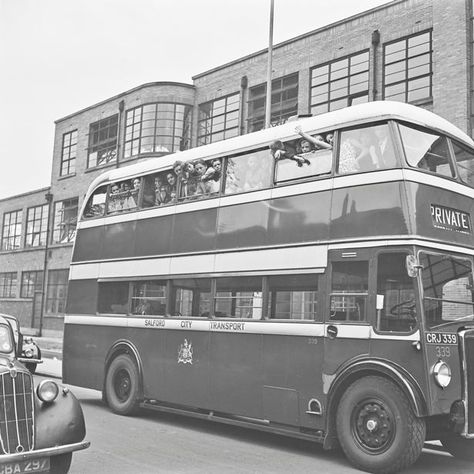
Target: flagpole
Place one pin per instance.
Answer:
(268, 103)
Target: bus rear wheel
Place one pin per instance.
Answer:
(377, 428)
(122, 385)
(460, 448)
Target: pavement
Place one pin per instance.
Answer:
(52, 354)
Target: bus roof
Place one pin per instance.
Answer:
(349, 116)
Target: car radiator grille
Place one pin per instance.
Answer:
(16, 412)
(469, 373)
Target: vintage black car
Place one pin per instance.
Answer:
(39, 429)
(28, 352)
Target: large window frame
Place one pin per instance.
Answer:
(68, 153)
(103, 136)
(8, 284)
(157, 127)
(284, 103)
(36, 225)
(11, 230)
(219, 119)
(340, 83)
(56, 292)
(31, 282)
(408, 68)
(65, 220)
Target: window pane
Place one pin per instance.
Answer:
(149, 297)
(239, 298)
(113, 297)
(465, 163)
(192, 297)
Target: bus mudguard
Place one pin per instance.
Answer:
(354, 370)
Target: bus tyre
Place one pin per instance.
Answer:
(377, 428)
(460, 448)
(60, 464)
(122, 385)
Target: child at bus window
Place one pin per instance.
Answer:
(330, 138)
(212, 176)
(280, 151)
(115, 201)
(171, 180)
(189, 179)
(309, 144)
(199, 171)
(127, 200)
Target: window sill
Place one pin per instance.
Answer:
(421, 102)
(66, 176)
(101, 167)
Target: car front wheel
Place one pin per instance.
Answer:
(377, 428)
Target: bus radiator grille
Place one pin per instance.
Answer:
(469, 345)
(16, 412)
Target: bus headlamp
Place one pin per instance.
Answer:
(47, 391)
(442, 374)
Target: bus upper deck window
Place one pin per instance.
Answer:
(465, 163)
(366, 149)
(426, 150)
(96, 204)
(123, 196)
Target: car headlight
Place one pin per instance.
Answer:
(442, 373)
(47, 391)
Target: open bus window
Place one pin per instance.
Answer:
(95, 206)
(113, 297)
(350, 283)
(249, 172)
(192, 297)
(293, 297)
(447, 289)
(366, 149)
(398, 292)
(239, 298)
(465, 163)
(123, 196)
(149, 298)
(319, 162)
(426, 150)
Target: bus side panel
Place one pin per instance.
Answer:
(451, 218)
(185, 359)
(154, 236)
(88, 244)
(194, 231)
(243, 225)
(236, 373)
(308, 213)
(372, 210)
(119, 240)
(292, 365)
(150, 345)
(84, 352)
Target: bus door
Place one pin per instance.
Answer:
(347, 326)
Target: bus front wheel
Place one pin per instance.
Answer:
(122, 385)
(461, 448)
(377, 428)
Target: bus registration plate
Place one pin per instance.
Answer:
(20, 467)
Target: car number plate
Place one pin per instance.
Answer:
(19, 467)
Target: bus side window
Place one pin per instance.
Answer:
(113, 297)
(149, 298)
(248, 172)
(123, 196)
(239, 297)
(349, 291)
(426, 151)
(192, 297)
(397, 290)
(95, 206)
(465, 163)
(366, 149)
(293, 297)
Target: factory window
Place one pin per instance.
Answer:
(65, 220)
(69, 151)
(103, 142)
(8, 285)
(11, 236)
(36, 225)
(57, 291)
(31, 281)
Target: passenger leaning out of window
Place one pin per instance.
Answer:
(282, 151)
(309, 144)
(212, 176)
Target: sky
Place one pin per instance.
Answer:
(60, 56)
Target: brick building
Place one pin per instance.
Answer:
(417, 51)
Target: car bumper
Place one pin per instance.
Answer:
(45, 452)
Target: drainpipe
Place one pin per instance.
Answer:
(244, 82)
(119, 130)
(375, 44)
(49, 200)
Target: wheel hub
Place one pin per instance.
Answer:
(373, 426)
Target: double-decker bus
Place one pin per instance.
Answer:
(313, 280)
